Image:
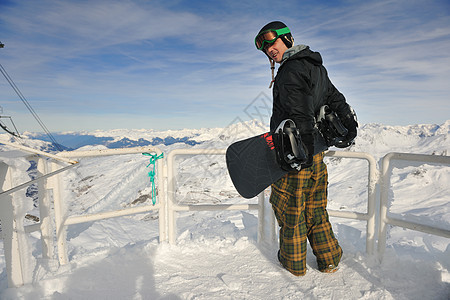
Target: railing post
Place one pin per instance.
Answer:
(44, 212)
(171, 198)
(273, 227)
(162, 195)
(11, 230)
(261, 217)
(59, 217)
(373, 180)
(384, 195)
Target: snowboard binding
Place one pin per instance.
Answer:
(290, 150)
(330, 126)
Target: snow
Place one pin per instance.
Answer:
(216, 255)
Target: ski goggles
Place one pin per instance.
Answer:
(269, 36)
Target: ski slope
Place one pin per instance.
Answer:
(216, 255)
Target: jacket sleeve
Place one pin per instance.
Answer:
(337, 102)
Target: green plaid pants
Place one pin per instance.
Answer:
(299, 200)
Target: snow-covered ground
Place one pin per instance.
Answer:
(216, 255)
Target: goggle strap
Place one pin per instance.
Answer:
(279, 32)
(272, 66)
(282, 31)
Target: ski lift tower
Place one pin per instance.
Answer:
(13, 132)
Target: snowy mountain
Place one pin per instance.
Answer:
(381, 136)
(216, 255)
(73, 140)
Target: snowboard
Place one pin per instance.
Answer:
(252, 164)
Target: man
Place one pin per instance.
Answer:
(300, 88)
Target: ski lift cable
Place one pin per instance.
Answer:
(21, 96)
(24, 100)
(27, 104)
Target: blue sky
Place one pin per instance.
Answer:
(173, 64)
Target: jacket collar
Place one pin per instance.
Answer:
(292, 51)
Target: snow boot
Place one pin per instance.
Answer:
(330, 269)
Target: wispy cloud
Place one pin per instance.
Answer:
(196, 62)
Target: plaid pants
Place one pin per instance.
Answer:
(299, 200)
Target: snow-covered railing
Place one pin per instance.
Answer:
(384, 197)
(62, 222)
(369, 216)
(13, 229)
(172, 207)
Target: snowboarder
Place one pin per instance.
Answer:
(299, 199)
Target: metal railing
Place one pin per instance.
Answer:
(384, 197)
(369, 216)
(168, 208)
(173, 208)
(13, 230)
(62, 221)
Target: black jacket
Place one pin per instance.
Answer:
(300, 89)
